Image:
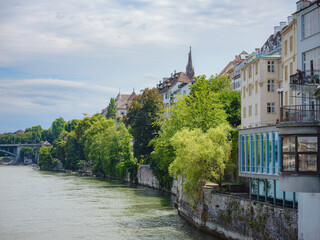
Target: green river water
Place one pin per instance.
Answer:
(45, 205)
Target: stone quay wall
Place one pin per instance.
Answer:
(229, 216)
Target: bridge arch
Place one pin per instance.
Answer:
(10, 153)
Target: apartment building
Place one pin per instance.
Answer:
(299, 129)
(233, 72)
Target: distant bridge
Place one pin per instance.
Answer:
(15, 149)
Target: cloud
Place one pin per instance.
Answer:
(60, 96)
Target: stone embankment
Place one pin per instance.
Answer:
(229, 216)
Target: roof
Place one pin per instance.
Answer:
(46, 143)
(179, 77)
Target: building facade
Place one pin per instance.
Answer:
(178, 84)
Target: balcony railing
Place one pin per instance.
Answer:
(306, 77)
(301, 114)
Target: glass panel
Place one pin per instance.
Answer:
(248, 154)
(289, 162)
(243, 153)
(308, 162)
(270, 190)
(275, 160)
(264, 153)
(254, 186)
(269, 161)
(307, 144)
(288, 144)
(253, 145)
(258, 155)
(262, 190)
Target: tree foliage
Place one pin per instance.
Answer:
(112, 109)
(142, 117)
(46, 161)
(201, 109)
(200, 157)
(57, 127)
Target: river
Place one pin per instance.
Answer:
(45, 205)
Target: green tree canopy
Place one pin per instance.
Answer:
(112, 109)
(71, 125)
(201, 109)
(142, 117)
(200, 157)
(46, 161)
(36, 132)
(57, 127)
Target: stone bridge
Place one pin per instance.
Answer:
(15, 149)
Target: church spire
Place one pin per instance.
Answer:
(189, 68)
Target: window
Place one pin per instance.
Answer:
(244, 92)
(286, 98)
(250, 89)
(256, 86)
(250, 71)
(256, 109)
(291, 43)
(285, 47)
(270, 66)
(286, 73)
(250, 110)
(256, 68)
(244, 74)
(184, 91)
(270, 85)
(300, 153)
(244, 112)
(291, 69)
(310, 23)
(271, 108)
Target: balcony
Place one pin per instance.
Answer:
(306, 77)
(301, 114)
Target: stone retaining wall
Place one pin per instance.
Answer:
(229, 216)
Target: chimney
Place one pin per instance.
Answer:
(290, 19)
(174, 72)
(282, 25)
(171, 74)
(257, 50)
(301, 4)
(276, 29)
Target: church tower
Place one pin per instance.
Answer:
(189, 68)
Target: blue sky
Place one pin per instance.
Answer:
(65, 58)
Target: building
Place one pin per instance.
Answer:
(123, 102)
(178, 84)
(231, 71)
(282, 157)
(259, 141)
(299, 130)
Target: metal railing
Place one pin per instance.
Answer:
(306, 77)
(301, 113)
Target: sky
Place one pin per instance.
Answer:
(65, 58)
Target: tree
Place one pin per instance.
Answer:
(36, 132)
(200, 157)
(71, 125)
(57, 127)
(142, 117)
(201, 109)
(46, 161)
(47, 135)
(112, 109)
(72, 152)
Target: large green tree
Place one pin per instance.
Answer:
(112, 109)
(142, 117)
(201, 109)
(72, 152)
(200, 157)
(57, 127)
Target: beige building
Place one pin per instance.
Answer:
(260, 79)
(288, 61)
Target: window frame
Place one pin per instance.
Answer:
(296, 154)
